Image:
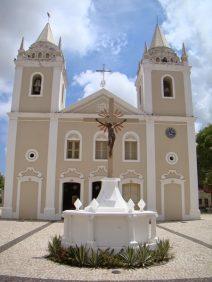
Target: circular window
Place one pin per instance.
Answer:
(31, 155)
(170, 132)
(171, 158)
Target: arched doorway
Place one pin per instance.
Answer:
(131, 191)
(96, 187)
(71, 192)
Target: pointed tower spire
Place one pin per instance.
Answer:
(184, 56)
(145, 54)
(158, 39)
(46, 34)
(145, 48)
(60, 43)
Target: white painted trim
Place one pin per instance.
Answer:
(174, 155)
(81, 116)
(96, 138)
(173, 86)
(147, 89)
(30, 85)
(65, 144)
(28, 152)
(193, 179)
(56, 88)
(151, 166)
(22, 178)
(49, 210)
(137, 139)
(165, 67)
(169, 181)
(17, 88)
(10, 163)
(70, 179)
(188, 93)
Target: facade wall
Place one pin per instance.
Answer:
(178, 145)
(31, 134)
(39, 104)
(87, 164)
(166, 106)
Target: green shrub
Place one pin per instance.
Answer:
(129, 257)
(162, 251)
(145, 256)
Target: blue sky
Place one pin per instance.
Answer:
(111, 32)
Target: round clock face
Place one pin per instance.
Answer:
(170, 132)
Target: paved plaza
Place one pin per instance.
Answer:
(23, 245)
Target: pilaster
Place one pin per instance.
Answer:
(49, 211)
(151, 173)
(193, 179)
(56, 88)
(147, 89)
(10, 163)
(17, 88)
(188, 94)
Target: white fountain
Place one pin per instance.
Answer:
(109, 221)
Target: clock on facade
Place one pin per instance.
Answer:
(170, 132)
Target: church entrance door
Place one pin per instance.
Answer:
(96, 187)
(131, 191)
(71, 192)
(172, 202)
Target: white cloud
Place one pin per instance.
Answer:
(116, 82)
(5, 108)
(190, 22)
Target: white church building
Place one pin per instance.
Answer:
(56, 154)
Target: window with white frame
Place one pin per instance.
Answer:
(131, 146)
(101, 146)
(73, 146)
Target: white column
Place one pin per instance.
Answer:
(17, 89)
(131, 223)
(188, 94)
(56, 89)
(10, 163)
(49, 211)
(151, 174)
(193, 179)
(147, 89)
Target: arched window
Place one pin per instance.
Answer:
(167, 90)
(36, 84)
(130, 147)
(100, 146)
(39, 55)
(164, 60)
(73, 145)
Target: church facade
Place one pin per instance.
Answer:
(56, 154)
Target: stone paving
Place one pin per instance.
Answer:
(26, 245)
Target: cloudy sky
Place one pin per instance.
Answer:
(111, 32)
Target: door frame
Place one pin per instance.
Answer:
(34, 178)
(134, 181)
(70, 179)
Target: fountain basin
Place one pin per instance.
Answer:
(109, 221)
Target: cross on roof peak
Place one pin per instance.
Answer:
(103, 71)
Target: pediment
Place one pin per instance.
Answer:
(99, 100)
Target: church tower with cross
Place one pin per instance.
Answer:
(57, 153)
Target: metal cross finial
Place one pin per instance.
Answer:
(48, 15)
(103, 70)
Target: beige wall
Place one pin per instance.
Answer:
(31, 135)
(87, 165)
(36, 103)
(178, 145)
(166, 106)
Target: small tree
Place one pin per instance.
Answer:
(1, 186)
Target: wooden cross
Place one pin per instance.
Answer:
(103, 70)
(112, 123)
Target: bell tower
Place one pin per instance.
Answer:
(40, 76)
(163, 79)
